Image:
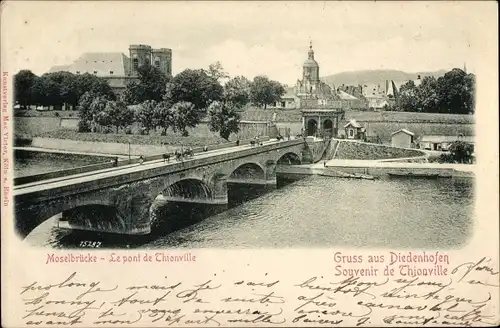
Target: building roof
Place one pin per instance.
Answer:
(353, 123)
(404, 131)
(59, 68)
(437, 138)
(310, 63)
(100, 64)
(345, 96)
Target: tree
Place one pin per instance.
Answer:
(89, 105)
(66, 87)
(93, 84)
(264, 92)
(164, 116)
(461, 151)
(237, 91)
(115, 114)
(195, 87)
(470, 88)
(184, 116)
(456, 92)
(121, 115)
(46, 92)
(23, 87)
(146, 115)
(407, 100)
(427, 96)
(151, 85)
(223, 118)
(216, 71)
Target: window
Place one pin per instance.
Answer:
(351, 133)
(95, 72)
(283, 104)
(111, 72)
(135, 63)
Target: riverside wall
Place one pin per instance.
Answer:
(380, 170)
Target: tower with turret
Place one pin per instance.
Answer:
(310, 68)
(140, 55)
(162, 59)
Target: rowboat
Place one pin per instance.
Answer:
(414, 175)
(347, 175)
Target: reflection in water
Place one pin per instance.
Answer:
(313, 212)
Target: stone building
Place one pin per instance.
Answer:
(311, 92)
(117, 68)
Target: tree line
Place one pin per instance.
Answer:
(56, 89)
(154, 100)
(453, 93)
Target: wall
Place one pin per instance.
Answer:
(256, 124)
(383, 130)
(39, 125)
(117, 148)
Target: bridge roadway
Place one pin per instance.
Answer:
(122, 186)
(128, 169)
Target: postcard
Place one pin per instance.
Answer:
(249, 164)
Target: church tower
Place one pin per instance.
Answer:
(310, 68)
(139, 55)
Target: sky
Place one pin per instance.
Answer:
(249, 38)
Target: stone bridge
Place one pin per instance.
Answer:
(128, 193)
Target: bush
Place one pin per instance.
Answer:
(83, 126)
(22, 141)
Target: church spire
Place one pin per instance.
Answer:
(311, 51)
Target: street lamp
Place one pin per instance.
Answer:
(129, 151)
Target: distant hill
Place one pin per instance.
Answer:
(376, 76)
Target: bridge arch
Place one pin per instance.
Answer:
(70, 210)
(248, 171)
(188, 188)
(289, 158)
(93, 217)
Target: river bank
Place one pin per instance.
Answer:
(359, 169)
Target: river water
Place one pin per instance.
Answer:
(314, 212)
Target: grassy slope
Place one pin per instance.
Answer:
(363, 151)
(154, 139)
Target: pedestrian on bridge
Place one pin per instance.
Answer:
(141, 160)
